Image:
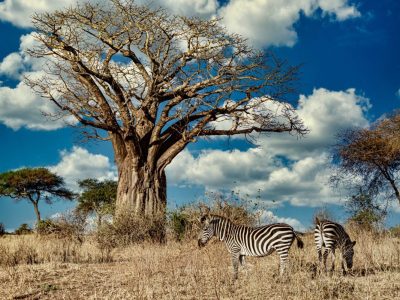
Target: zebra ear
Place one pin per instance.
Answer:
(317, 221)
(353, 243)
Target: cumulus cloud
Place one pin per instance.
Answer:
(79, 164)
(263, 22)
(21, 107)
(271, 22)
(19, 12)
(302, 177)
(269, 217)
(325, 113)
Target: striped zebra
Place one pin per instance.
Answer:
(249, 241)
(332, 235)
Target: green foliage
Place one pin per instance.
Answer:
(364, 211)
(47, 226)
(23, 229)
(33, 184)
(97, 198)
(179, 223)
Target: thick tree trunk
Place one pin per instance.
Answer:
(141, 190)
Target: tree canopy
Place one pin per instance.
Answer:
(34, 184)
(152, 83)
(371, 157)
(97, 197)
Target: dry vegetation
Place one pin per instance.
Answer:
(34, 267)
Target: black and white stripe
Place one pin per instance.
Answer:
(332, 236)
(249, 241)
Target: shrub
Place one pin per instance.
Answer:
(70, 225)
(395, 231)
(45, 227)
(179, 223)
(2, 229)
(184, 222)
(129, 229)
(23, 229)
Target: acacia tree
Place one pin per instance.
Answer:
(371, 156)
(152, 83)
(34, 184)
(97, 197)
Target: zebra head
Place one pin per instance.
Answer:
(208, 230)
(348, 253)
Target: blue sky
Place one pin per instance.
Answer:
(349, 77)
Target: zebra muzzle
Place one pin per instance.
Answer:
(200, 243)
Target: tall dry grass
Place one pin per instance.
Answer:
(34, 267)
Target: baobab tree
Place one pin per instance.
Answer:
(152, 83)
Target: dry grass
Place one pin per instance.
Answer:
(38, 268)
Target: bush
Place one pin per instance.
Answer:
(184, 222)
(395, 231)
(23, 229)
(2, 229)
(70, 225)
(130, 229)
(179, 223)
(45, 227)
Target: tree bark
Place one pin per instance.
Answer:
(141, 190)
(37, 212)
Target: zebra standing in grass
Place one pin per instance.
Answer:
(332, 235)
(251, 241)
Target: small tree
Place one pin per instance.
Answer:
(23, 229)
(97, 197)
(33, 184)
(364, 211)
(370, 157)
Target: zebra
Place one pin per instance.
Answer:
(332, 235)
(249, 241)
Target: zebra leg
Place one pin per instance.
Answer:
(283, 256)
(319, 255)
(325, 256)
(343, 267)
(333, 260)
(242, 261)
(235, 263)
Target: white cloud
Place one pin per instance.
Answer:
(303, 178)
(338, 8)
(79, 164)
(19, 12)
(12, 65)
(271, 22)
(269, 217)
(263, 22)
(21, 107)
(325, 113)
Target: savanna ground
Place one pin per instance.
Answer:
(34, 267)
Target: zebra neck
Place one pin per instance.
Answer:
(223, 228)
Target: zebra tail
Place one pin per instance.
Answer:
(300, 243)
